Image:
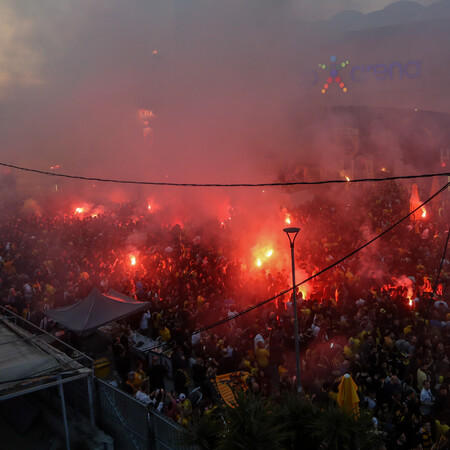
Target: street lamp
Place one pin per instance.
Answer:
(292, 234)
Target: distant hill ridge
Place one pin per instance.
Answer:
(400, 12)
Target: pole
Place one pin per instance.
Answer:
(295, 231)
(90, 382)
(63, 405)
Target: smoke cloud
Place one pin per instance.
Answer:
(198, 91)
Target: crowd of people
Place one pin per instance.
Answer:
(381, 315)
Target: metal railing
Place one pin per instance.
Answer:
(123, 418)
(132, 425)
(166, 433)
(38, 334)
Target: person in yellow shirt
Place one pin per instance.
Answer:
(245, 363)
(185, 408)
(262, 355)
(156, 318)
(164, 332)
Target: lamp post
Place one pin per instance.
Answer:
(292, 234)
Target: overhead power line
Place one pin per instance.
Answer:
(165, 183)
(258, 305)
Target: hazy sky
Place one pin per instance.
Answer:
(74, 74)
(34, 34)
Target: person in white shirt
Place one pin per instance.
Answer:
(426, 399)
(141, 395)
(258, 338)
(143, 325)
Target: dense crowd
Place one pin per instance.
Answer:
(381, 315)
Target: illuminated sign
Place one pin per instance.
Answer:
(363, 73)
(333, 74)
(381, 72)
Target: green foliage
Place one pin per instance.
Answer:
(296, 415)
(334, 429)
(205, 432)
(258, 423)
(252, 424)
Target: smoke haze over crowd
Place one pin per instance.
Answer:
(176, 91)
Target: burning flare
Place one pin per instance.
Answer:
(132, 260)
(424, 213)
(79, 210)
(262, 255)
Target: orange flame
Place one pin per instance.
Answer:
(79, 210)
(424, 213)
(287, 220)
(410, 302)
(305, 289)
(263, 255)
(152, 205)
(132, 260)
(347, 178)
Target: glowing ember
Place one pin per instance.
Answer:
(261, 254)
(79, 210)
(305, 290)
(133, 260)
(424, 213)
(54, 167)
(149, 207)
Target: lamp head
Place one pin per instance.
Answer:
(291, 230)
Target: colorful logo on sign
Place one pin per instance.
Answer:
(363, 73)
(333, 74)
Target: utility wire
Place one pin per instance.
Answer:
(164, 183)
(442, 263)
(245, 311)
(280, 294)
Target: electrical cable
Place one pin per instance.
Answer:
(441, 264)
(227, 319)
(245, 311)
(163, 183)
